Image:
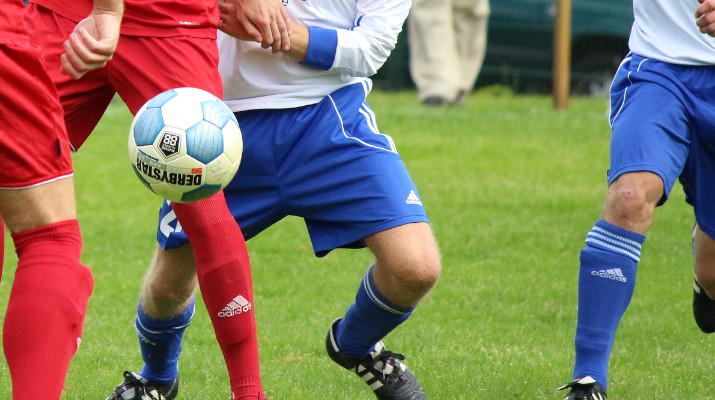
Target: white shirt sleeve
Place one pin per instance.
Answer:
(364, 48)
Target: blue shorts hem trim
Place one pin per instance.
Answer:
(326, 246)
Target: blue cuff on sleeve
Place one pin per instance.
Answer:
(321, 48)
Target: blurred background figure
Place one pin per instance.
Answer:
(447, 40)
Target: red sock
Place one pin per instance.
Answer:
(45, 313)
(224, 274)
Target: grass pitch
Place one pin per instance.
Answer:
(511, 187)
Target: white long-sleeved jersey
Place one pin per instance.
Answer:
(665, 30)
(349, 41)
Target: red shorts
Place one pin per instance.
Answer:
(33, 140)
(141, 68)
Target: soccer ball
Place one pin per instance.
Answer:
(185, 144)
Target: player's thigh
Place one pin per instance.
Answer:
(409, 249)
(643, 139)
(39, 205)
(143, 67)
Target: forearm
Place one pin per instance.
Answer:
(299, 39)
(115, 7)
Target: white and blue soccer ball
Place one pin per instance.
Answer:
(185, 144)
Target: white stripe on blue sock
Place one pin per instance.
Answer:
(610, 237)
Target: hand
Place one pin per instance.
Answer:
(705, 17)
(91, 45)
(230, 23)
(262, 21)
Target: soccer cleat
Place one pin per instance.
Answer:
(703, 309)
(382, 370)
(136, 387)
(584, 388)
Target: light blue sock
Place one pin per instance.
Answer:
(606, 282)
(369, 319)
(160, 343)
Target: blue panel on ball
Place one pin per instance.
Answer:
(200, 193)
(217, 113)
(148, 126)
(161, 99)
(204, 142)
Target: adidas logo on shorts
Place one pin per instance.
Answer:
(413, 199)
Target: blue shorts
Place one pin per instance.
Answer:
(663, 121)
(326, 163)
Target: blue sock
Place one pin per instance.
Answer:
(160, 343)
(369, 319)
(606, 282)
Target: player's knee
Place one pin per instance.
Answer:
(633, 197)
(419, 275)
(630, 206)
(430, 271)
(629, 198)
(413, 264)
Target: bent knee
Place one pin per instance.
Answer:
(632, 199)
(418, 274)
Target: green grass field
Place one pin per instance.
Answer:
(511, 187)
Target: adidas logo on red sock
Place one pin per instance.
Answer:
(237, 306)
